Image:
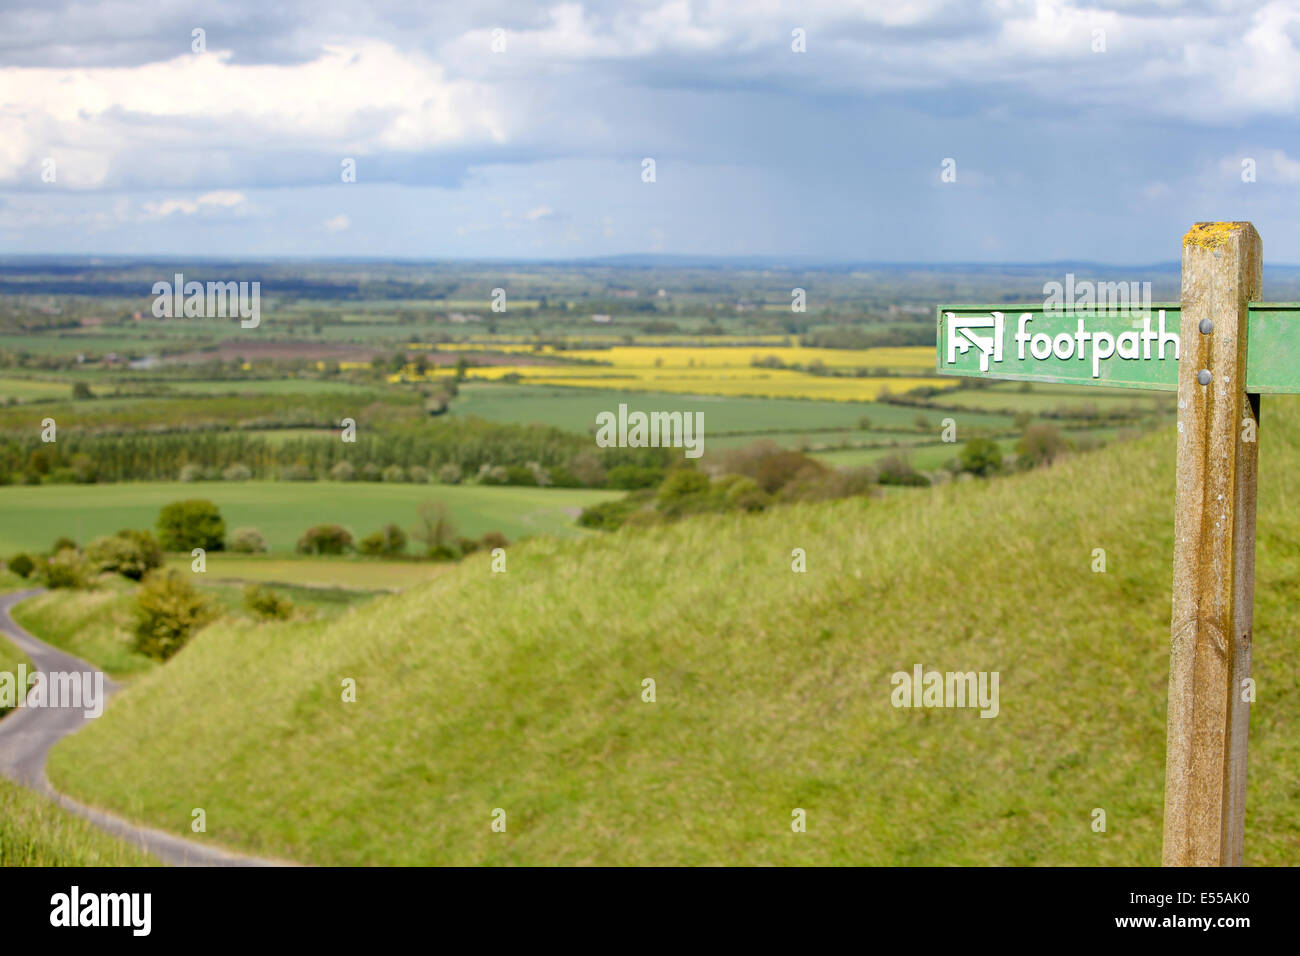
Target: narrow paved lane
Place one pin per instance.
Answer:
(28, 734)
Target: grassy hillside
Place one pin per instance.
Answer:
(36, 832)
(523, 691)
(11, 658)
(32, 517)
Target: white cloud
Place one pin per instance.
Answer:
(221, 199)
(359, 99)
(339, 223)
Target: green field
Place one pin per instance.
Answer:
(26, 389)
(523, 691)
(31, 517)
(1010, 397)
(575, 409)
(368, 574)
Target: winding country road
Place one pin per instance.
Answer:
(28, 734)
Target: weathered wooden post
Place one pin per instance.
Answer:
(1214, 550)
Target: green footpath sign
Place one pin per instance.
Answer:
(1219, 349)
(1131, 348)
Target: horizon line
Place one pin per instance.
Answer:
(686, 259)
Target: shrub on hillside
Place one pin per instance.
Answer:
(265, 603)
(434, 529)
(681, 484)
(1041, 445)
(237, 472)
(325, 539)
(449, 474)
(894, 470)
(343, 471)
(193, 523)
(296, 472)
(22, 565)
(610, 515)
(520, 475)
(492, 474)
(394, 473)
(633, 477)
(371, 472)
(493, 539)
(775, 471)
(67, 569)
(168, 610)
(84, 470)
(417, 475)
(834, 483)
(562, 477)
(191, 472)
(742, 493)
(248, 541)
(586, 467)
(771, 466)
(129, 553)
(62, 544)
(981, 456)
(388, 542)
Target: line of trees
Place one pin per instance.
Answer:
(457, 449)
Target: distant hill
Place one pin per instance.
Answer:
(522, 691)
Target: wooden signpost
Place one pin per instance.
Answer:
(1220, 350)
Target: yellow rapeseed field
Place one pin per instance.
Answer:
(720, 370)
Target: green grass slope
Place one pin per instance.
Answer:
(522, 691)
(36, 832)
(11, 658)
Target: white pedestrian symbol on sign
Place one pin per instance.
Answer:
(961, 336)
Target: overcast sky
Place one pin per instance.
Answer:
(1077, 130)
